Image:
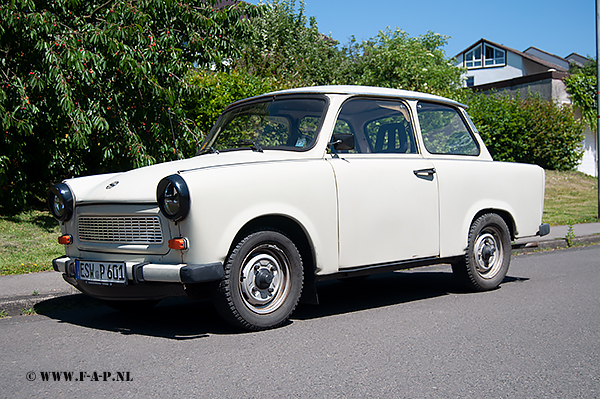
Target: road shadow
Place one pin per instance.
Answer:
(183, 319)
(381, 290)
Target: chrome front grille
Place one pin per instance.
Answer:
(120, 229)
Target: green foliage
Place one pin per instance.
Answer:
(530, 131)
(287, 45)
(582, 89)
(91, 87)
(582, 86)
(396, 60)
(216, 90)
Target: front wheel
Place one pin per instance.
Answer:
(262, 283)
(486, 262)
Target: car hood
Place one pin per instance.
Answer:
(139, 185)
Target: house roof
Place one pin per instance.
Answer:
(522, 54)
(578, 59)
(548, 57)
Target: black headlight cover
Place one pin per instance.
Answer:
(60, 202)
(173, 197)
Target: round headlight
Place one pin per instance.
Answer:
(60, 202)
(173, 197)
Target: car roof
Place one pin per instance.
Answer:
(362, 91)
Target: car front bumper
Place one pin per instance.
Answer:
(153, 272)
(144, 280)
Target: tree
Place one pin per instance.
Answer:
(94, 86)
(217, 89)
(287, 46)
(396, 60)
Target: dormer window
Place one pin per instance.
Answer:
(485, 55)
(473, 58)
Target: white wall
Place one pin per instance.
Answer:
(512, 69)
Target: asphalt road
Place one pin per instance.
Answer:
(412, 334)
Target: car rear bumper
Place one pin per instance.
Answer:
(543, 230)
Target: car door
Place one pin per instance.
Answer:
(466, 180)
(387, 192)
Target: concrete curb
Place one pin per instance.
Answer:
(19, 306)
(557, 243)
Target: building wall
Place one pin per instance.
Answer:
(549, 89)
(531, 68)
(589, 163)
(512, 69)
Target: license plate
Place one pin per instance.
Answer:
(106, 273)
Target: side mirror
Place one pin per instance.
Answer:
(343, 141)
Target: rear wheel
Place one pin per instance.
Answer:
(486, 262)
(262, 283)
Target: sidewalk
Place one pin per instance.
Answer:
(22, 292)
(585, 233)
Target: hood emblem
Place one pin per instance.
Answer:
(111, 185)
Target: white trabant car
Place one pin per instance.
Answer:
(294, 187)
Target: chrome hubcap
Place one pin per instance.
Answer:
(489, 253)
(264, 278)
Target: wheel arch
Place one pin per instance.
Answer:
(295, 232)
(505, 215)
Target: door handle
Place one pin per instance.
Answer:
(426, 173)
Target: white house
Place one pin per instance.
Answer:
(492, 66)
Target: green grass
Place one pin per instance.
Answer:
(28, 242)
(571, 197)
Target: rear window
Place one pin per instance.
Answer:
(444, 131)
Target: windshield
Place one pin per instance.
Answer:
(281, 123)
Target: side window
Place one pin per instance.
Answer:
(306, 131)
(391, 134)
(379, 126)
(444, 131)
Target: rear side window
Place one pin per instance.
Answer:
(444, 131)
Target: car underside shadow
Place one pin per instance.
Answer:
(173, 318)
(183, 319)
(386, 289)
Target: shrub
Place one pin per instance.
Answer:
(216, 90)
(530, 130)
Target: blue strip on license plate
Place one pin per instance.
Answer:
(101, 272)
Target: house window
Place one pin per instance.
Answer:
(494, 56)
(473, 58)
(485, 55)
(470, 81)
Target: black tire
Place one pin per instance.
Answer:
(262, 283)
(486, 262)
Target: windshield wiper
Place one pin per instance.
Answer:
(253, 144)
(209, 150)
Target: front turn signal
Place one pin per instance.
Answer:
(178, 243)
(67, 239)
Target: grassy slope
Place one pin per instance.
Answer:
(28, 241)
(571, 197)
